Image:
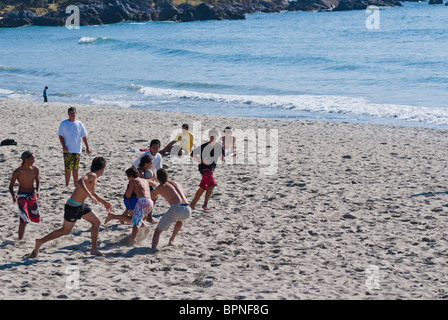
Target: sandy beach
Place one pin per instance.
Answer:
(342, 211)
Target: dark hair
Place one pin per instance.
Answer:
(72, 109)
(132, 172)
(154, 141)
(185, 126)
(162, 175)
(97, 164)
(144, 160)
(26, 155)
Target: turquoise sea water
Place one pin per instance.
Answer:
(299, 65)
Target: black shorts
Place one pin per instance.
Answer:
(73, 213)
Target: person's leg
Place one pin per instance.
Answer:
(94, 231)
(76, 162)
(65, 229)
(68, 167)
(67, 178)
(207, 197)
(120, 217)
(155, 238)
(22, 226)
(135, 229)
(196, 198)
(75, 177)
(177, 227)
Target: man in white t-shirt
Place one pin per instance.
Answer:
(71, 134)
(153, 152)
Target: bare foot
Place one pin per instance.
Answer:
(171, 243)
(206, 209)
(96, 253)
(108, 218)
(34, 254)
(192, 206)
(152, 221)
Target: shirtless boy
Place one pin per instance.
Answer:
(143, 208)
(179, 209)
(26, 196)
(75, 208)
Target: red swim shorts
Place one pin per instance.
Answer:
(28, 207)
(207, 179)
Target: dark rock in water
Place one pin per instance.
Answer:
(345, 5)
(17, 18)
(435, 2)
(168, 12)
(312, 5)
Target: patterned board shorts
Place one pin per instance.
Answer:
(143, 207)
(71, 161)
(28, 207)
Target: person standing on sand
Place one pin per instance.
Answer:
(144, 206)
(179, 210)
(45, 94)
(71, 132)
(27, 195)
(207, 154)
(75, 208)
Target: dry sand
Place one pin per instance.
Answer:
(353, 211)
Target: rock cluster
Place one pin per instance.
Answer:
(114, 11)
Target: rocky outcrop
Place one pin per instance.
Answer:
(312, 5)
(345, 5)
(114, 11)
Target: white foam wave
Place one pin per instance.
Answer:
(87, 40)
(6, 92)
(329, 104)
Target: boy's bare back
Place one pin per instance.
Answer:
(172, 192)
(141, 188)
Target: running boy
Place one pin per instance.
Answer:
(207, 154)
(75, 208)
(144, 206)
(179, 210)
(27, 195)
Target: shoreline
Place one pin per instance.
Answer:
(369, 120)
(347, 214)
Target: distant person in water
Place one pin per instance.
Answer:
(27, 195)
(45, 94)
(75, 208)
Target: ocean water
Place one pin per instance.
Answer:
(316, 66)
